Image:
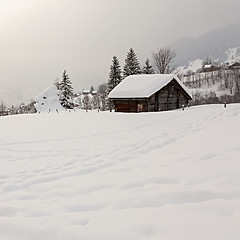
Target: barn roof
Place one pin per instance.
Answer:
(143, 85)
(207, 66)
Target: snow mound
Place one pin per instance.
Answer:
(48, 100)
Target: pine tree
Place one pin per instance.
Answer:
(115, 75)
(148, 69)
(132, 65)
(67, 91)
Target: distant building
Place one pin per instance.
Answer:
(234, 66)
(86, 92)
(210, 68)
(149, 93)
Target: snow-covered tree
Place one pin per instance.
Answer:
(148, 69)
(86, 102)
(132, 65)
(95, 101)
(115, 75)
(102, 94)
(67, 91)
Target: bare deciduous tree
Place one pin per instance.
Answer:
(102, 94)
(236, 73)
(2, 108)
(163, 58)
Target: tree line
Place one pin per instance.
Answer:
(162, 60)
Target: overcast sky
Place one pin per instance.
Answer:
(41, 38)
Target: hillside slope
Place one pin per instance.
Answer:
(168, 175)
(214, 45)
(48, 100)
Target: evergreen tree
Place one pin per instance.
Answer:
(148, 69)
(67, 91)
(115, 75)
(132, 65)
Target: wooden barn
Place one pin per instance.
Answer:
(149, 93)
(210, 68)
(234, 66)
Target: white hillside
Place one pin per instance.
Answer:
(152, 176)
(192, 66)
(48, 100)
(212, 45)
(233, 55)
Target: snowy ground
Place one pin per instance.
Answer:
(164, 176)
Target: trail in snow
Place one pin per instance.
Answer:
(169, 175)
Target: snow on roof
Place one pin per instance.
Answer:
(234, 64)
(207, 66)
(143, 85)
(86, 91)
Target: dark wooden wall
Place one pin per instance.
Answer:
(168, 98)
(130, 105)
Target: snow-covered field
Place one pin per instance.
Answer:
(166, 176)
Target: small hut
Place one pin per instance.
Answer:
(149, 93)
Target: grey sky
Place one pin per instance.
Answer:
(41, 38)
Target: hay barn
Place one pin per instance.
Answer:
(149, 93)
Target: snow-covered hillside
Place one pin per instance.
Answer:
(212, 45)
(192, 66)
(167, 175)
(232, 55)
(48, 100)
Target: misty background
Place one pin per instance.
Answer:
(41, 38)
